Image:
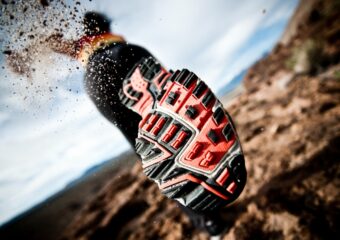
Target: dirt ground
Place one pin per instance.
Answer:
(288, 120)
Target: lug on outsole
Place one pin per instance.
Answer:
(186, 139)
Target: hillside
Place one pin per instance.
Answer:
(288, 119)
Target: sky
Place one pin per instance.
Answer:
(51, 133)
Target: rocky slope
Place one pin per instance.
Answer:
(288, 119)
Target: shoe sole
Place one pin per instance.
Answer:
(187, 141)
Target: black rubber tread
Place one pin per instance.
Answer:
(161, 78)
(237, 165)
(204, 201)
(191, 112)
(194, 194)
(152, 71)
(199, 89)
(172, 97)
(155, 171)
(212, 205)
(190, 80)
(174, 173)
(172, 190)
(228, 132)
(173, 76)
(182, 76)
(183, 189)
(152, 153)
(208, 98)
(144, 147)
(213, 136)
(218, 115)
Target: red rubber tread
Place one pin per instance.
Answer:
(187, 141)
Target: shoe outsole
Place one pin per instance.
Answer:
(187, 141)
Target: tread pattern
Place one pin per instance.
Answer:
(186, 139)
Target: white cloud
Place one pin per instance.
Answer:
(222, 51)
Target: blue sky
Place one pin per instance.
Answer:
(49, 138)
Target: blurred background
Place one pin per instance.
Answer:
(267, 61)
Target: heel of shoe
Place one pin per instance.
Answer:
(143, 85)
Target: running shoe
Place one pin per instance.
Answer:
(187, 141)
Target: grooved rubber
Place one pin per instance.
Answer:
(186, 140)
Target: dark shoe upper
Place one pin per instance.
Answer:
(105, 72)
